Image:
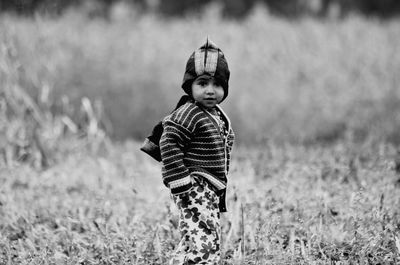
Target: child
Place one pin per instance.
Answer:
(195, 146)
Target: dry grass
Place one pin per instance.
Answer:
(336, 205)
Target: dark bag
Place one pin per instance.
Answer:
(151, 144)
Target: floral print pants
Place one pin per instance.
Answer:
(199, 224)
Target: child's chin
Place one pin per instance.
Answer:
(208, 106)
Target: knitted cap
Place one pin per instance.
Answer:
(209, 60)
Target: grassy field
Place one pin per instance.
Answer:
(287, 205)
(313, 178)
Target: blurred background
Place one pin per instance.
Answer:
(303, 71)
(314, 100)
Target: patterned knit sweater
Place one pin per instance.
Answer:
(193, 144)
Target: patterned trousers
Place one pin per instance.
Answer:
(199, 224)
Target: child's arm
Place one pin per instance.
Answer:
(176, 175)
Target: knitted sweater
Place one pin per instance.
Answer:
(192, 144)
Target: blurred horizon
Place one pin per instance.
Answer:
(229, 8)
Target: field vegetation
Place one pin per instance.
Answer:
(300, 81)
(315, 174)
(287, 205)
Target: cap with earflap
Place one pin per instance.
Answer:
(207, 60)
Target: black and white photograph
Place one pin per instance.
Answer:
(214, 132)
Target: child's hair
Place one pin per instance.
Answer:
(207, 60)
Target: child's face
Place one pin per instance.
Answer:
(207, 91)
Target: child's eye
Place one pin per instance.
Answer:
(202, 83)
(217, 84)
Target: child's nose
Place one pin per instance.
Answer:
(210, 89)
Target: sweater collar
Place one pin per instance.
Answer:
(225, 117)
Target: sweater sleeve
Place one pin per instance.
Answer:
(176, 175)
